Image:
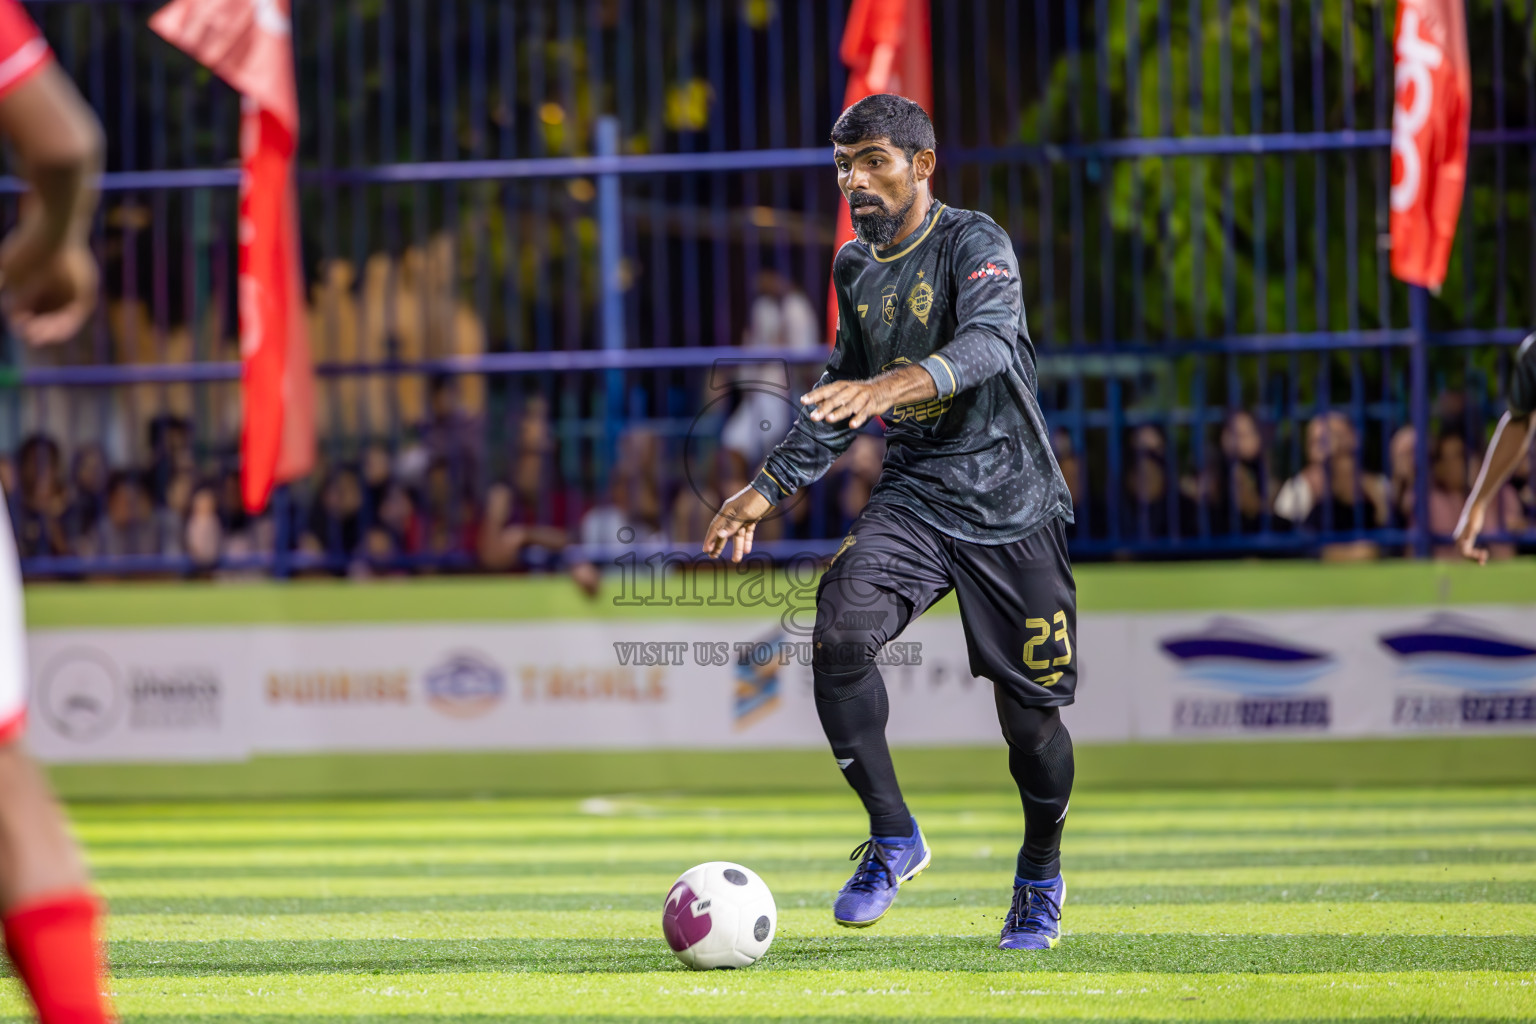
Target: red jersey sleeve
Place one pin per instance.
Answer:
(23, 51)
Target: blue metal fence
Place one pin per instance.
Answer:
(565, 207)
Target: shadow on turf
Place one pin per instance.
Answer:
(1191, 954)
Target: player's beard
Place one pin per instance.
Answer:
(879, 228)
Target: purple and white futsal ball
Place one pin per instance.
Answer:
(719, 914)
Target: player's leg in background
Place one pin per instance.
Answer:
(51, 919)
(1019, 606)
(1041, 763)
(1018, 603)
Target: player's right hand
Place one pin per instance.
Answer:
(737, 518)
(1467, 529)
(51, 303)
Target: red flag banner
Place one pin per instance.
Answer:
(248, 44)
(888, 47)
(1430, 122)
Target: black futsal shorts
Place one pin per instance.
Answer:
(1018, 601)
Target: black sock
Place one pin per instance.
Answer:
(853, 711)
(1040, 760)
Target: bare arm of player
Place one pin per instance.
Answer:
(1510, 440)
(859, 401)
(737, 518)
(47, 272)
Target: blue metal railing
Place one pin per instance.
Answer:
(573, 200)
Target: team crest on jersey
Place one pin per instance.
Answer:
(888, 304)
(920, 300)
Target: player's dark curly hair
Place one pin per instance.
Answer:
(886, 116)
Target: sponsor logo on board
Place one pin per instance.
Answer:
(466, 685)
(1265, 677)
(338, 687)
(1460, 673)
(82, 694)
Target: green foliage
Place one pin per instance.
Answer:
(1206, 236)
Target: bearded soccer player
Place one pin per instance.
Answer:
(47, 290)
(1511, 440)
(931, 336)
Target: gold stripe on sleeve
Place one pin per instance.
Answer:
(954, 384)
(775, 479)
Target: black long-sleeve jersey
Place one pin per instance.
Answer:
(975, 462)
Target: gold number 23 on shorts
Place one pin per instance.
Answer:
(1043, 634)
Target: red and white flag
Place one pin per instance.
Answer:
(1430, 122)
(888, 47)
(248, 43)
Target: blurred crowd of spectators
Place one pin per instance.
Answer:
(430, 505)
(1236, 493)
(436, 500)
(80, 507)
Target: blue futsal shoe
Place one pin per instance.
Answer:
(884, 863)
(1034, 919)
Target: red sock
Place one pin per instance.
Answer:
(54, 944)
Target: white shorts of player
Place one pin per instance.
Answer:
(13, 636)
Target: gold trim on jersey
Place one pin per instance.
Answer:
(914, 245)
(954, 385)
(770, 476)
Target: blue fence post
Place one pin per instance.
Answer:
(282, 535)
(610, 242)
(1418, 372)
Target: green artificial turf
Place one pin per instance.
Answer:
(1220, 905)
(1440, 760)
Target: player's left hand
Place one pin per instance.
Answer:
(1467, 529)
(857, 401)
(738, 519)
(53, 302)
